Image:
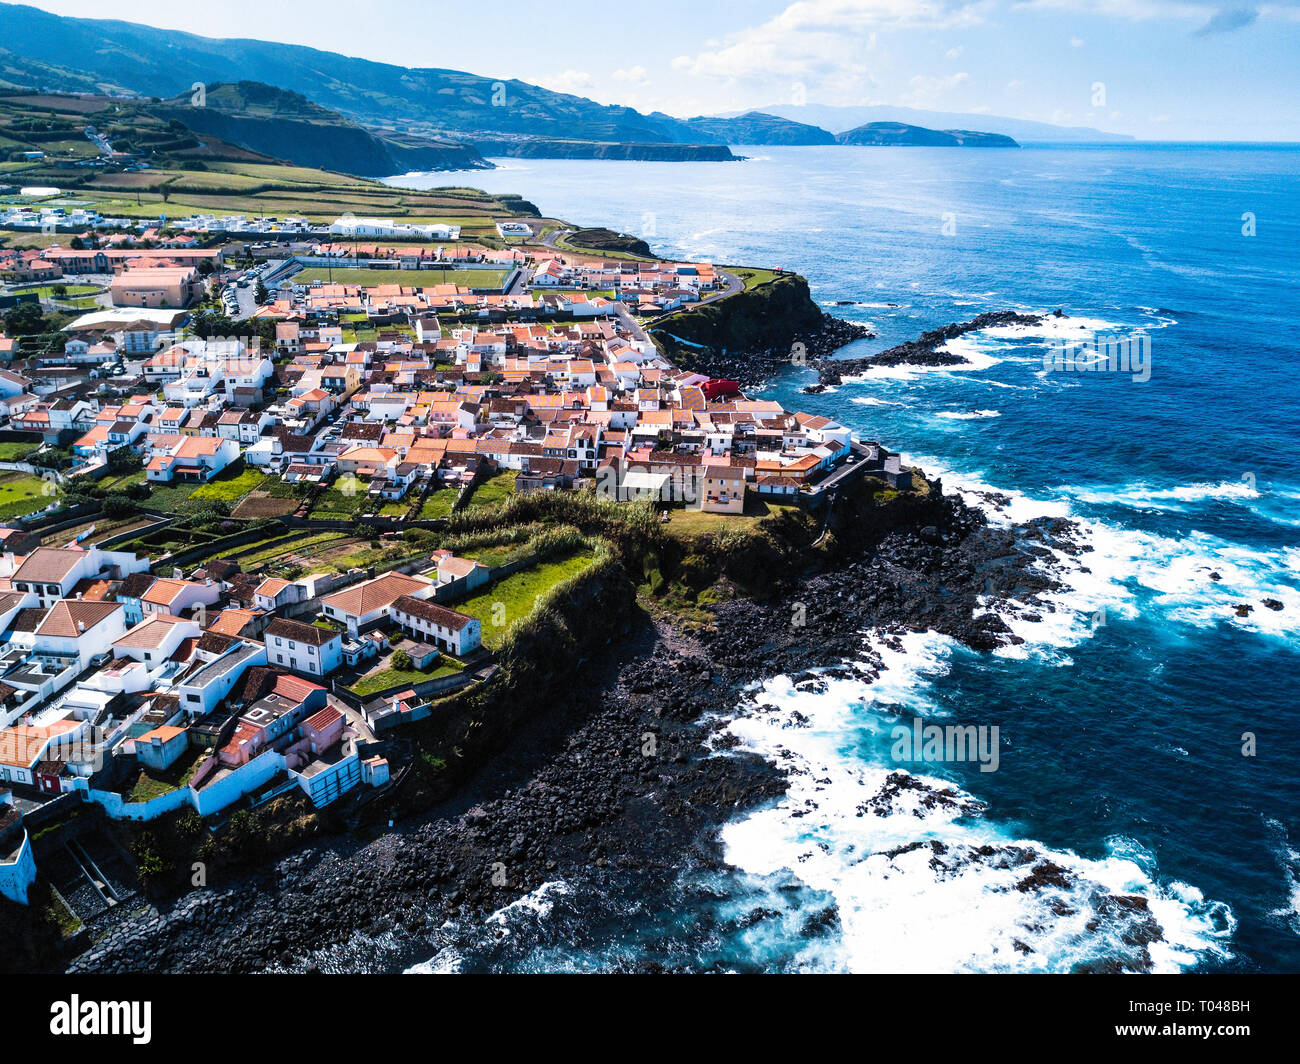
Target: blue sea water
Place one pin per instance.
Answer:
(1122, 717)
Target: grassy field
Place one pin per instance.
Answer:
(498, 607)
(46, 291)
(406, 278)
(492, 491)
(386, 678)
(695, 522)
(332, 503)
(231, 484)
(268, 551)
(121, 481)
(437, 503)
(16, 452)
(22, 494)
(150, 784)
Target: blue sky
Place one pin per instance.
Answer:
(1169, 69)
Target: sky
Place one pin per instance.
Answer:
(1154, 69)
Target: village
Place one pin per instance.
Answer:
(161, 660)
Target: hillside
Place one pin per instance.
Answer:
(900, 134)
(167, 62)
(841, 118)
(758, 128)
(287, 125)
(159, 165)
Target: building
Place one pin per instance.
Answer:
(161, 748)
(79, 629)
(157, 286)
(154, 641)
(364, 605)
(303, 647)
(54, 572)
(451, 631)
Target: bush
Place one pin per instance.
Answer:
(118, 506)
(401, 661)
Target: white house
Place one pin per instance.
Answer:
(303, 647)
(154, 640)
(77, 628)
(363, 605)
(449, 630)
(202, 690)
(53, 572)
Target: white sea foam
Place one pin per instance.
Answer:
(929, 909)
(1125, 565)
(871, 400)
(967, 415)
(1144, 496)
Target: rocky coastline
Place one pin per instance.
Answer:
(925, 350)
(577, 795)
(621, 779)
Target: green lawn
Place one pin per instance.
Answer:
(231, 484)
(150, 784)
(120, 481)
(332, 503)
(406, 278)
(437, 503)
(693, 522)
(386, 678)
(46, 291)
(22, 494)
(16, 452)
(514, 598)
(493, 491)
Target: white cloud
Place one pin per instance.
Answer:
(953, 53)
(632, 76)
(576, 82)
(1077, 42)
(823, 43)
(925, 90)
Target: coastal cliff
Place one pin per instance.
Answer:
(539, 148)
(750, 335)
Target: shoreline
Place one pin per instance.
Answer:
(573, 796)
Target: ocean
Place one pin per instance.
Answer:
(1148, 731)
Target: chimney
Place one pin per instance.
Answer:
(81, 626)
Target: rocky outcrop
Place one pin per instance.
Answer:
(748, 336)
(925, 349)
(902, 135)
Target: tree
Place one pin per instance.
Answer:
(25, 319)
(402, 661)
(118, 506)
(124, 460)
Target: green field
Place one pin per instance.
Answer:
(386, 678)
(231, 484)
(46, 291)
(16, 452)
(332, 503)
(406, 278)
(492, 491)
(515, 597)
(22, 494)
(437, 503)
